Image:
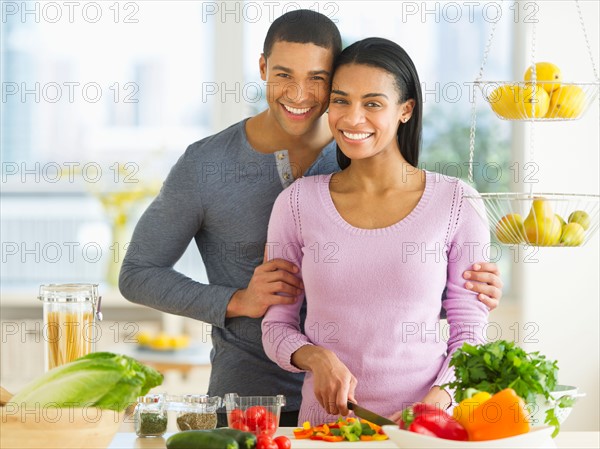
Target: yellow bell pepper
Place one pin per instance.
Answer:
(463, 412)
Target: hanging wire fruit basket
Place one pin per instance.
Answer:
(537, 219)
(542, 101)
(541, 219)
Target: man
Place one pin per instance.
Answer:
(221, 192)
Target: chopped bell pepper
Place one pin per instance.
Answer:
(373, 426)
(352, 431)
(324, 428)
(302, 434)
(349, 429)
(380, 437)
(503, 415)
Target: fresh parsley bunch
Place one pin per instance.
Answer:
(501, 364)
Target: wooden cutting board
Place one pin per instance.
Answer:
(123, 440)
(4, 396)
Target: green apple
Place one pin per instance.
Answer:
(581, 217)
(573, 234)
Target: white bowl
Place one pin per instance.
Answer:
(538, 415)
(538, 438)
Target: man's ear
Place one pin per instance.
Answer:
(262, 65)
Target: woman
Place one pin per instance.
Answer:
(377, 244)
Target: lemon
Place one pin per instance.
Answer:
(566, 102)
(179, 341)
(513, 101)
(144, 338)
(535, 101)
(161, 342)
(504, 101)
(545, 73)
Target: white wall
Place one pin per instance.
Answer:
(560, 293)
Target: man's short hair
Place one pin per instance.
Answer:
(304, 26)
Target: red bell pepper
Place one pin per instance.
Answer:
(428, 419)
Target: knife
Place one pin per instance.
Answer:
(369, 415)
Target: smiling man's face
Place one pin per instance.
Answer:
(298, 80)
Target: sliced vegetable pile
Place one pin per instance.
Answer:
(345, 429)
(495, 366)
(100, 379)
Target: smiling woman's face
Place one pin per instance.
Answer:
(365, 111)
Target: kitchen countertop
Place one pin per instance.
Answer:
(565, 440)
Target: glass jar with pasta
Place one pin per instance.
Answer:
(70, 311)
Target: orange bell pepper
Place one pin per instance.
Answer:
(333, 438)
(501, 416)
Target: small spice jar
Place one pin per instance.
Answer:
(197, 412)
(150, 416)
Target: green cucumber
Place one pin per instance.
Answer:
(245, 440)
(201, 439)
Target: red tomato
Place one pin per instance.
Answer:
(236, 415)
(265, 442)
(267, 427)
(239, 425)
(254, 415)
(283, 442)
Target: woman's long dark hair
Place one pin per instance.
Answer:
(389, 56)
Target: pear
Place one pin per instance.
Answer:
(542, 227)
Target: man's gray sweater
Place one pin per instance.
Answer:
(220, 193)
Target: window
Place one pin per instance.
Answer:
(446, 41)
(97, 97)
(104, 96)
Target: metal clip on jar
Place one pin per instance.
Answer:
(70, 311)
(197, 412)
(150, 416)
